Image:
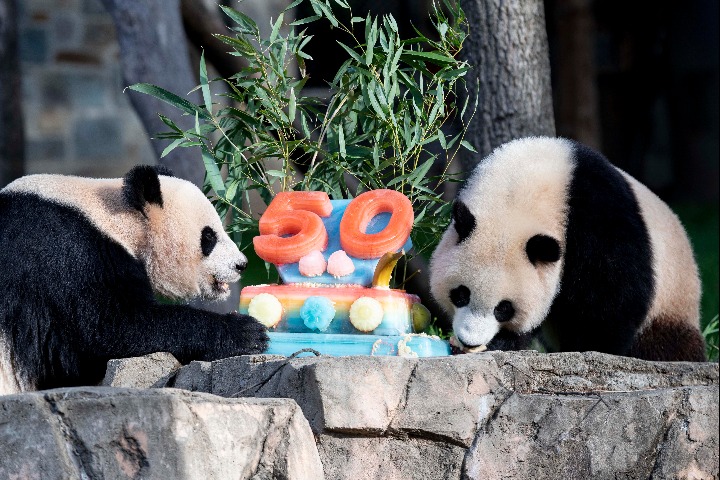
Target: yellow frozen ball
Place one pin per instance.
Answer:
(366, 314)
(266, 308)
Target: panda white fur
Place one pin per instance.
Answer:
(547, 233)
(80, 260)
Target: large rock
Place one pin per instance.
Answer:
(98, 433)
(491, 415)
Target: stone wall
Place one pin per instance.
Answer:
(493, 415)
(77, 118)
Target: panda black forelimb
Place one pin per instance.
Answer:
(510, 341)
(185, 332)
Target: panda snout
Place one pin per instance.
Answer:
(241, 266)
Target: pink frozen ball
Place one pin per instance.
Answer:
(313, 264)
(339, 264)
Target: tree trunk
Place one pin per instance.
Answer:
(12, 137)
(202, 19)
(508, 50)
(153, 49)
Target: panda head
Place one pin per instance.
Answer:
(186, 251)
(499, 264)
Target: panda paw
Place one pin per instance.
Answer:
(241, 335)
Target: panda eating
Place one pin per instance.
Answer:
(80, 262)
(549, 238)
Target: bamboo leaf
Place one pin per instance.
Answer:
(305, 20)
(171, 147)
(341, 141)
(433, 57)
(325, 11)
(293, 5)
(292, 104)
(213, 172)
(467, 145)
(351, 52)
(372, 38)
(205, 86)
(276, 27)
(441, 139)
(247, 24)
(170, 98)
(169, 123)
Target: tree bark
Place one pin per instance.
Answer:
(202, 19)
(12, 136)
(153, 49)
(508, 50)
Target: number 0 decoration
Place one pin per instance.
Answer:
(297, 214)
(360, 211)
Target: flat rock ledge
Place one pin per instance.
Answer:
(487, 416)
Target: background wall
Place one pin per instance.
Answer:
(77, 118)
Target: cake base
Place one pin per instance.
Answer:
(396, 306)
(342, 345)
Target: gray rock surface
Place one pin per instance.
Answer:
(154, 370)
(98, 433)
(491, 415)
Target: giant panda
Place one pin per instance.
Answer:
(81, 263)
(548, 237)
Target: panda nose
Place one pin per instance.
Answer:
(240, 266)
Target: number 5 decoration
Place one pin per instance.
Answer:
(291, 226)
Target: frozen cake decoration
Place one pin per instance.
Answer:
(298, 227)
(313, 264)
(339, 264)
(336, 259)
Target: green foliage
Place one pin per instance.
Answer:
(389, 100)
(710, 333)
(701, 222)
(435, 329)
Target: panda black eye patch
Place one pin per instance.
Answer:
(542, 248)
(504, 311)
(464, 220)
(208, 240)
(460, 296)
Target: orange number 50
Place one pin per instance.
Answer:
(298, 214)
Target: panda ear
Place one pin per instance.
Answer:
(141, 185)
(542, 248)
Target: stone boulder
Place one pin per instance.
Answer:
(99, 433)
(490, 415)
